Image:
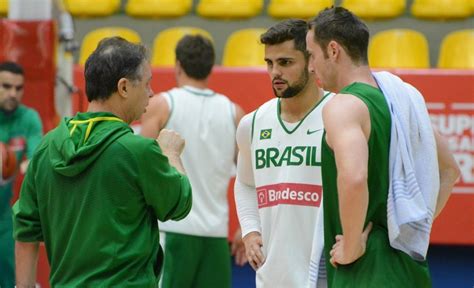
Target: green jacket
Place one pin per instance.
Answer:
(93, 193)
(23, 131)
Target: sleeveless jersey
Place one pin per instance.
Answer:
(381, 265)
(206, 120)
(287, 169)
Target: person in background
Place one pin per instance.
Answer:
(196, 249)
(94, 191)
(21, 130)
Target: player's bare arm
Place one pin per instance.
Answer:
(448, 172)
(347, 123)
(155, 117)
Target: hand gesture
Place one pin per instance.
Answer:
(238, 249)
(171, 143)
(337, 251)
(253, 249)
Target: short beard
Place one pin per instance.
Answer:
(9, 112)
(294, 90)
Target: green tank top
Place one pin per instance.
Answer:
(381, 265)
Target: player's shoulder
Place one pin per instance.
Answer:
(220, 95)
(222, 98)
(249, 119)
(326, 98)
(172, 91)
(344, 105)
(343, 100)
(269, 103)
(156, 99)
(26, 111)
(268, 107)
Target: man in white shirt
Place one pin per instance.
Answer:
(196, 248)
(278, 187)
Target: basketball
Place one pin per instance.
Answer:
(8, 159)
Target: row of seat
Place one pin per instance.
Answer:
(395, 48)
(228, 9)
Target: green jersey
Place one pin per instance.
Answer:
(93, 193)
(381, 265)
(22, 131)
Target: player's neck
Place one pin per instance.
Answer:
(111, 105)
(188, 81)
(295, 108)
(352, 74)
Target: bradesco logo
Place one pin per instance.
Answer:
(290, 194)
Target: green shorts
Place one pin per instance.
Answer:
(194, 261)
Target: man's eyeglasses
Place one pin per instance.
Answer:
(7, 86)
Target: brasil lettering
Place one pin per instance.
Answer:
(290, 194)
(291, 156)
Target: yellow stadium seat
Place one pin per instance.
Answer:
(158, 8)
(441, 9)
(165, 43)
(372, 9)
(297, 8)
(457, 50)
(3, 7)
(90, 41)
(243, 49)
(92, 8)
(399, 48)
(227, 9)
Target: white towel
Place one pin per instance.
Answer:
(413, 164)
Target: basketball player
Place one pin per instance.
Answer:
(196, 248)
(355, 161)
(278, 189)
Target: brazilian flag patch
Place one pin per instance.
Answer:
(265, 134)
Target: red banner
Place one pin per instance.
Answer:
(450, 98)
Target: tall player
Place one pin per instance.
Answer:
(278, 187)
(355, 152)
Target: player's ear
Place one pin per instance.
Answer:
(333, 49)
(122, 87)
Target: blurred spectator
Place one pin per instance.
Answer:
(21, 130)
